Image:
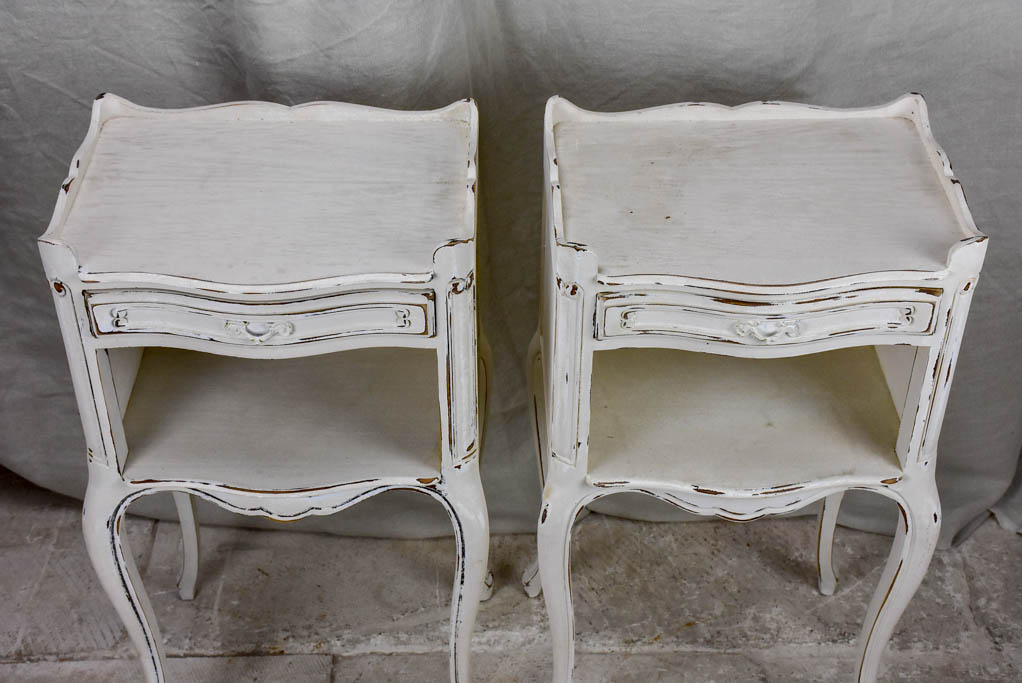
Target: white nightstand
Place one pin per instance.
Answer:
(747, 310)
(190, 247)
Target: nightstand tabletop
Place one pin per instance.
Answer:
(273, 195)
(759, 201)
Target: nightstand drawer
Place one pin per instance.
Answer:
(405, 312)
(887, 310)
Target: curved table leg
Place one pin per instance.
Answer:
(826, 522)
(531, 581)
(111, 557)
(910, 556)
(554, 543)
(190, 544)
(467, 508)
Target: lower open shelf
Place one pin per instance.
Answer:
(740, 423)
(284, 424)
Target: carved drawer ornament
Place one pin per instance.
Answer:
(876, 310)
(259, 332)
(627, 319)
(318, 319)
(769, 331)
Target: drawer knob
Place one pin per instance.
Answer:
(259, 332)
(769, 331)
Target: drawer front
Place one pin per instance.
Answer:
(889, 310)
(355, 313)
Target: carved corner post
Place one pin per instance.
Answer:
(933, 368)
(457, 352)
(572, 299)
(100, 422)
(965, 260)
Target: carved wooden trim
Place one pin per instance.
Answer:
(902, 311)
(769, 331)
(748, 506)
(462, 369)
(943, 369)
(349, 314)
(567, 370)
(258, 332)
(86, 392)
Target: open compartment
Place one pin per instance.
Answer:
(733, 423)
(278, 425)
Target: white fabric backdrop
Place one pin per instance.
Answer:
(609, 55)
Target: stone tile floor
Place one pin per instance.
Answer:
(654, 602)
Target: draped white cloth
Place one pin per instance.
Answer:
(606, 55)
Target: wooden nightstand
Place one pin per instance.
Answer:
(190, 247)
(747, 310)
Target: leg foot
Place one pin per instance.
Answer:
(530, 579)
(826, 522)
(913, 547)
(115, 566)
(487, 587)
(190, 543)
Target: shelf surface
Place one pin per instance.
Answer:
(740, 423)
(268, 202)
(284, 424)
(757, 202)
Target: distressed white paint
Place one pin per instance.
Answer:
(879, 312)
(382, 311)
(304, 423)
(845, 194)
(271, 194)
(733, 425)
(252, 231)
(759, 234)
(190, 545)
(826, 523)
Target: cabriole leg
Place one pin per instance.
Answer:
(190, 545)
(532, 582)
(910, 556)
(467, 508)
(530, 577)
(115, 566)
(826, 523)
(553, 539)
